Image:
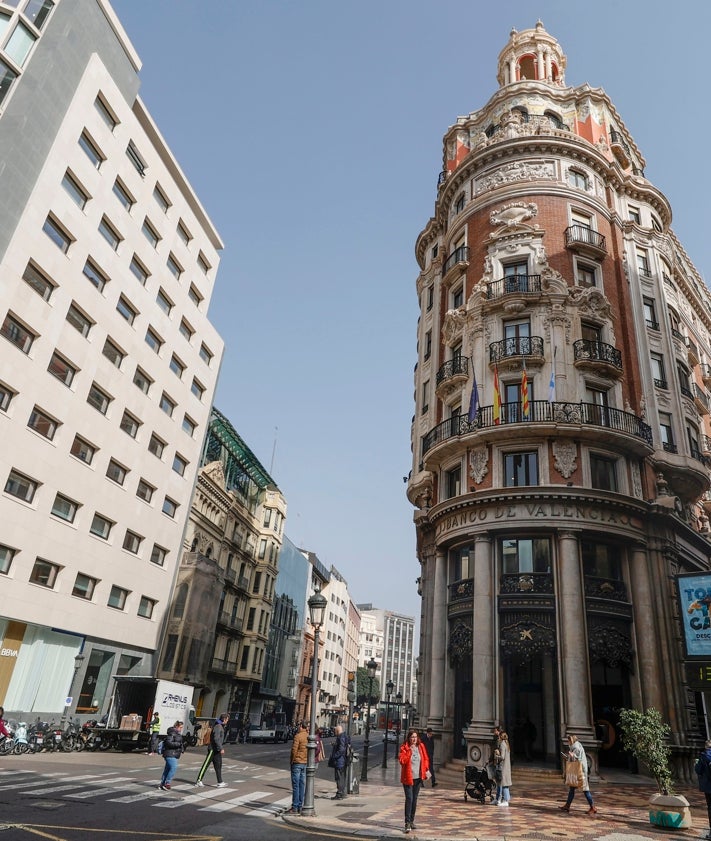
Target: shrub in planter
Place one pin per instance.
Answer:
(645, 736)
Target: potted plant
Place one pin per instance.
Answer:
(646, 736)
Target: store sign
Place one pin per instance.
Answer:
(9, 652)
(695, 611)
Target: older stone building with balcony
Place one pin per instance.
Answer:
(218, 624)
(560, 442)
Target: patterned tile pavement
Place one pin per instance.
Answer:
(378, 811)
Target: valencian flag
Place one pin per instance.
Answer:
(474, 399)
(525, 407)
(497, 397)
(551, 385)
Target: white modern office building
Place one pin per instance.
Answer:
(108, 361)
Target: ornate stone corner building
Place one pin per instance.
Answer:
(219, 620)
(560, 470)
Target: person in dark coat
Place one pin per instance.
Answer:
(337, 761)
(429, 743)
(172, 751)
(703, 771)
(215, 750)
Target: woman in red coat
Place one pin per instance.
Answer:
(414, 770)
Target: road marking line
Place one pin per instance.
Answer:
(274, 808)
(245, 800)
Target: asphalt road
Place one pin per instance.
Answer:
(112, 795)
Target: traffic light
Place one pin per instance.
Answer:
(351, 681)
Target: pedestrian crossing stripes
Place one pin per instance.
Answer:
(130, 790)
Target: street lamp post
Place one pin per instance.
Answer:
(398, 701)
(389, 686)
(317, 608)
(371, 666)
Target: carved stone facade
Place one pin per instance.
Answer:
(550, 527)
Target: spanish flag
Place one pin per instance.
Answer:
(497, 397)
(525, 407)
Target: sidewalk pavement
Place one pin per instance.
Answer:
(443, 815)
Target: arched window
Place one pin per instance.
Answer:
(522, 111)
(527, 67)
(555, 120)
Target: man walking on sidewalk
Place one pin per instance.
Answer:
(337, 761)
(215, 750)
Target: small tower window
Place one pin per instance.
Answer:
(527, 67)
(555, 120)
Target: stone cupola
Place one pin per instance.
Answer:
(531, 55)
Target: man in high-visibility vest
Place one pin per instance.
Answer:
(155, 730)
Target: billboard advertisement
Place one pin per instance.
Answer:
(695, 603)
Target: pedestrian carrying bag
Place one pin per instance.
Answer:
(574, 773)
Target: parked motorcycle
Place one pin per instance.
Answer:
(36, 736)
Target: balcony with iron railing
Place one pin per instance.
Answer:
(457, 366)
(701, 399)
(520, 284)
(670, 447)
(219, 664)
(458, 258)
(226, 619)
(540, 412)
(652, 324)
(605, 588)
(598, 356)
(693, 351)
(583, 239)
(686, 391)
(660, 383)
(528, 347)
(620, 148)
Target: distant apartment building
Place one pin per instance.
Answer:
(218, 625)
(108, 361)
(318, 579)
(280, 680)
(396, 634)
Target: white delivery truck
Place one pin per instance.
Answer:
(133, 703)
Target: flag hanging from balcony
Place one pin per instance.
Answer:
(474, 399)
(525, 407)
(551, 385)
(497, 397)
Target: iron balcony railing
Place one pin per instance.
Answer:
(458, 365)
(661, 383)
(587, 349)
(669, 447)
(686, 391)
(618, 139)
(586, 236)
(459, 255)
(516, 346)
(461, 590)
(701, 395)
(652, 324)
(540, 411)
(677, 334)
(221, 665)
(699, 456)
(605, 588)
(513, 284)
(225, 618)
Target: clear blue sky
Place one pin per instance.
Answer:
(312, 133)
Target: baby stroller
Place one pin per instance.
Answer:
(478, 784)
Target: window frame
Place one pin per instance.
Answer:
(96, 276)
(72, 508)
(40, 420)
(519, 476)
(86, 591)
(146, 606)
(79, 320)
(18, 479)
(76, 192)
(116, 472)
(38, 281)
(122, 594)
(107, 524)
(96, 388)
(13, 329)
(79, 440)
(52, 573)
(91, 149)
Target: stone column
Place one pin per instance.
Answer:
(484, 659)
(540, 70)
(512, 70)
(646, 634)
(573, 656)
(438, 648)
(549, 66)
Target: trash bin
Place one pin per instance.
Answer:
(353, 775)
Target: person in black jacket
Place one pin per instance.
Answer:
(337, 761)
(172, 751)
(703, 771)
(429, 743)
(215, 750)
